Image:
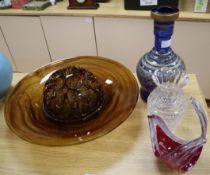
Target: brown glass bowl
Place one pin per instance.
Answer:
(24, 106)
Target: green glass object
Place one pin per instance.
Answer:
(36, 5)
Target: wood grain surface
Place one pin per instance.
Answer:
(113, 8)
(124, 151)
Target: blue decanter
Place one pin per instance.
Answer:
(161, 54)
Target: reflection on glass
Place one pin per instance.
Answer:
(108, 81)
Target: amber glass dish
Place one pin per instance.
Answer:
(24, 106)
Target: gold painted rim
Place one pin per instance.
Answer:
(164, 17)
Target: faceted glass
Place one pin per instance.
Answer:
(166, 107)
(168, 99)
(177, 153)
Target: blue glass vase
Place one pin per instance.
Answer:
(161, 54)
(5, 75)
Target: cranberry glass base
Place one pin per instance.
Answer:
(177, 153)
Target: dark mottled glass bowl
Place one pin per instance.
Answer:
(24, 106)
(72, 94)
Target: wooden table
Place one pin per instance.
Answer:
(125, 151)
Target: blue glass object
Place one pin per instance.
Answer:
(5, 75)
(161, 54)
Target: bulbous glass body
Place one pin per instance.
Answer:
(162, 54)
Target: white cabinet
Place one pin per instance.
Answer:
(124, 39)
(5, 50)
(25, 39)
(69, 36)
(192, 42)
(31, 42)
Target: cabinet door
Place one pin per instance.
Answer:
(4, 49)
(25, 39)
(69, 36)
(124, 40)
(191, 40)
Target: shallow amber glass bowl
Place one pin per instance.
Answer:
(24, 106)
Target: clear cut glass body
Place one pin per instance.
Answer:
(167, 99)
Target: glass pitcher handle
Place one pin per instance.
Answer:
(202, 116)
